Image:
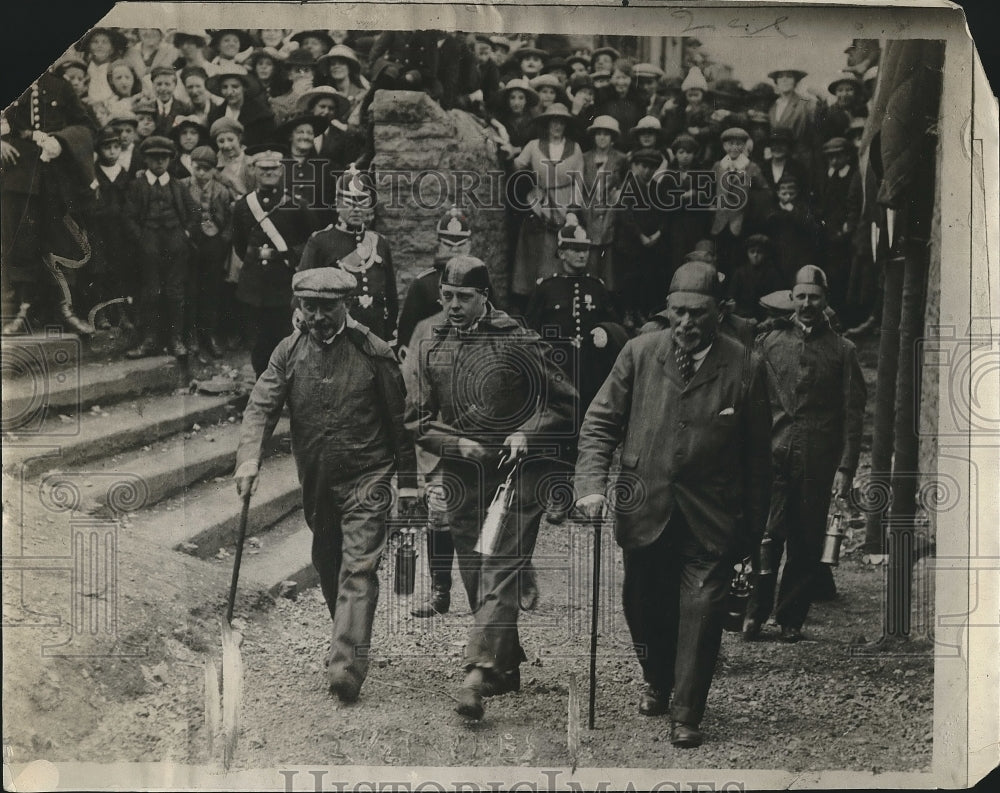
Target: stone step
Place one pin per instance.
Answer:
(285, 554)
(166, 468)
(208, 515)
(41, 393)
(67, 441)
(60, 349)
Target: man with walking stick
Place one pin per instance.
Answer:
(346, 399)
(690, 407)
(488, 398)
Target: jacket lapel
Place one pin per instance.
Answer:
(665, 355)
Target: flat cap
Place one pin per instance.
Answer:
(157, 144)
(650, 157)
(225, 124)
(205, 155)
(159, 71)
(735, 133)
(267, 155)
(699, 278)
(467, 271)
(108, 135)
(835, 145)
(325, 283)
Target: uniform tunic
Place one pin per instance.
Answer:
(375, 302)
(817, 395)
(346, 403)
(421, 302)
(484, 385)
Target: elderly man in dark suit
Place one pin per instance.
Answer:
(690, 406)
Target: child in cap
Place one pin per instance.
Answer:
(168, 107)
(112, 260)
(530, 61)
(793, 229)
(780, 162)
(756, 276)
(622, 99)
(684, 200)
(234, 166)
(697, 112)
(125, 124)
(742, 198)
(604, 169)
(188, 133)
(833, 211)
(145, 113)
(212, 242)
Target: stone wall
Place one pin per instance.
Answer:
(420, 148)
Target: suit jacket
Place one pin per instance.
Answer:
(703, 448)
(256, 117)
(164, 123)
(137, 206)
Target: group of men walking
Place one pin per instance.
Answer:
(727, 441)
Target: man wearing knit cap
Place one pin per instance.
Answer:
(346, 400)
(817, 395)
(690, 406)
(269, 232)
(489, 398)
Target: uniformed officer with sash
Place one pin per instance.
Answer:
(269, 233)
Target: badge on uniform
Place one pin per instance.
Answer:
(365, 301)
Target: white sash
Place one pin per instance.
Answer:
(265, 223)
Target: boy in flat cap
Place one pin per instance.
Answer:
(690, 406)
(168, 107)
(346, 400)
(212, 243)
(480, 380)
(817, 395)
(742, 198)
(162, 219)
(833, 211)
(352, 245)
(269, 232)
(792, 228)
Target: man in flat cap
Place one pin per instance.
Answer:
(489, 397)
(162, 219)
(690, 405)
(269, 233)
(346, 400)
(817, 395)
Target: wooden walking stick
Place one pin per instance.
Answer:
(240, 539)
(594, 610)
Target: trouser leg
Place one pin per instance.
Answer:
(274, 323)
(804, 547)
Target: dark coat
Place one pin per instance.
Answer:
(421, 302)
(164, 123)
(137, 207)
(256, 117)
(703, 448)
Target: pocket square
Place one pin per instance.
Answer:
(727, 412)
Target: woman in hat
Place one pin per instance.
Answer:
(298, 77)
(796, 113)
(150, 51)
(340, 68)
(267, 69)
(646, 134)
(552, 158)
(621, 99)
(188, 132)
(191, 46)
(604, 169)
(603, 59)
(232, 47)
(516, 114)
(832, 120)
(316, 42)
(100, 47)
(245, 104)
(530, 61)
(309, 169)
(578, 64)
(195, 82)
(582, 96)
(125, 84)
(276, 42)
(549, 91)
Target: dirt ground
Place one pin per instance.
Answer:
(136, 693)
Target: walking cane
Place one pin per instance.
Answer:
(241, 538)
(594, 604)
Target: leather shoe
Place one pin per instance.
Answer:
(438, 603)
(496, 684)
(653, 702)
(790, 634)
(470, 698)
(686, 736)
(751, 629)
(528, 597)
(144, 350)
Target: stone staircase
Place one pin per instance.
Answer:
(128, 439)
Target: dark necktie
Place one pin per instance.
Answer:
(685, 364)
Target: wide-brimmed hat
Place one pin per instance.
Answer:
(117, 39)
(217, 33)
(520, 84)
(70, 63)
(501, 42)
(600, 74)
(318, 124)
(605, 51)
(187, 121)
(299, 57)
(522, 52)
(544, 80)
(580, 81)
(555, 110)
(650, 157)
(578, 59)
(555, 63)
(797, 73)
(322, 35)
(344, 52)
(728, 89)
(197, 35)
(251, 85)
(850, 78)
(606, 124)
(305, 102)
(836, 145)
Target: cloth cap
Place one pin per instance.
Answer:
(157, 144)
(694, 79)
(545, 79)
(685, 142)
(325, 283)
(124, 117)
(605, 51)
(523, 52)
(267, 155)
(205, 155)
(573, 235)
(758, 239)
(650, 123)
(157, 71)
(579, 81)
(650, 157)
(647, 70)
(788, 178)
(147, 106)
(225, 124)
(735, 133)
(70, 63)
(835, 145)
(454, 228)
(465, 271)
(813, 275)
(850, 78)
(699, 278)
(108, 135)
